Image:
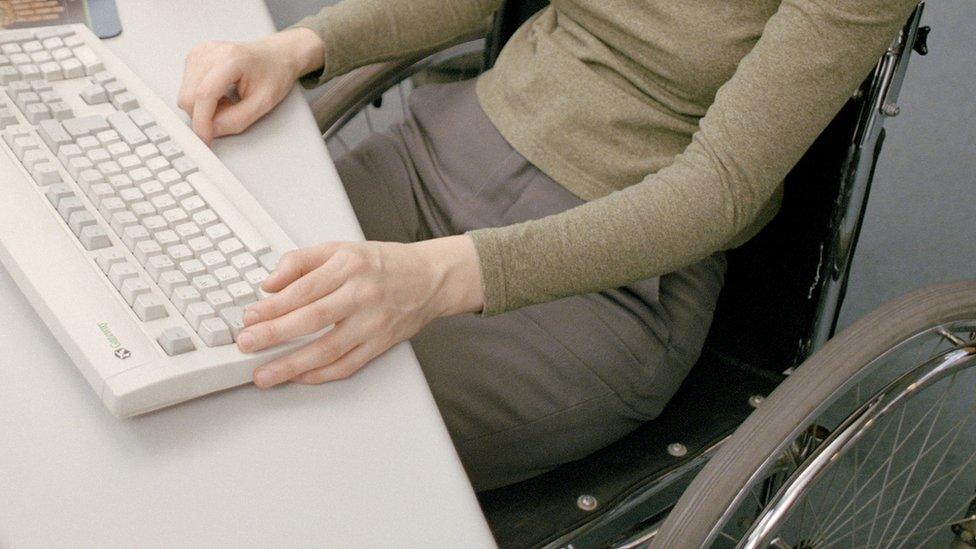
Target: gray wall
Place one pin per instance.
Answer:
(920, 226)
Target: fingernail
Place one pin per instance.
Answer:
(245, 341)
(250, 317)
(263, 378)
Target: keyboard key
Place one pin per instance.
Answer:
(132, 288)
(144, 209)
(56, 192)
(218, 232)
(86, 125)
(229, 247)
(184, 166)
(72, 68)
(103, 77)
(149, 307)
(89, 143)
(200, 245)
(146, 249)
(183, 296)
(94, 238)
(198, 312)
(69, 205)
(155, 224)
(213, 260)
(169, 177)
(192, 268)
(94, 95)
(45, 173)
(125, 101)
(53, 134)
(256, 277)
(226, 275)
(204, 218)
(169, 281)
(187, 231)
(234, 317)
(128, 131)
(80, 220)
(159, 264)
(157, 135)
(60, 110)
(243, 262)
(119, 272)
(174, 216)
(168, 238)
(88, 60)
(175, 341)
(110, 206)
(142, 118)
(134, 235)
(242, 293)
(215, 332)
(194, 204)
(205, 283)
(107, 258)
(219, 300)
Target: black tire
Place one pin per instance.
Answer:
(789, 409)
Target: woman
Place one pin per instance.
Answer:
(579, 196)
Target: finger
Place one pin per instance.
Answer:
(300, 322)
(296, 264)
(211, 89)
(195, 68)
(349, 364)
(234, 118)
(312, 287)
(322, 352)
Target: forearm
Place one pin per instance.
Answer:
(359, 32)
(811, 57)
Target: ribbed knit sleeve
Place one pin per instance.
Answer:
(810, 58)
(360, 32)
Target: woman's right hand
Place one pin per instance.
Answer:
(263, 72)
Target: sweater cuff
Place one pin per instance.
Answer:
(488, 245)
(318, 25)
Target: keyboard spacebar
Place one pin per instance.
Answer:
(84, 313)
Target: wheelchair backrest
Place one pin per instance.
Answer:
(784, 287)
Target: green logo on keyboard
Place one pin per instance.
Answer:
(120, 352)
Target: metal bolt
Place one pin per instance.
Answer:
(677, 449)
(756, 400)
(587, 502)
(890, 109)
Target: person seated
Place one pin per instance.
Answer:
(549, 235)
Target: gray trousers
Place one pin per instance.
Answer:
(524, 391)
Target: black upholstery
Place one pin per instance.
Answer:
(764, 317)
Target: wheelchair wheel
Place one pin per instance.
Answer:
(870, 443)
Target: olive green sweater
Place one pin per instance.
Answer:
(676, 121)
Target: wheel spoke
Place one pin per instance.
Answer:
(877, 508)
(915, 462)
(857, 472)
(965, 419)
(951, 473)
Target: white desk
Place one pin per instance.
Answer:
(365, 462)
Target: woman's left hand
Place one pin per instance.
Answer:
(377, 294)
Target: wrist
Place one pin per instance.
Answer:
(457, 274)
(301, 48)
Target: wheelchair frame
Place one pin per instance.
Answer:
(631, 516)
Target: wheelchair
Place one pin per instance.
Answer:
(782, 435)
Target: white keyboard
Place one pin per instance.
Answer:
(137, 247)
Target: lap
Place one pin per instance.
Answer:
(527, 390)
